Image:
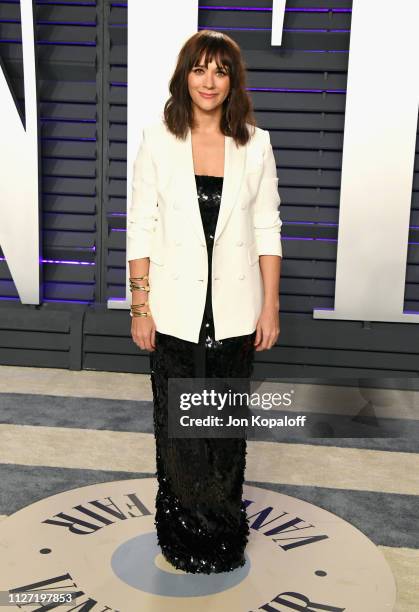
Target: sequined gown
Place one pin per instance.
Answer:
(201, 521)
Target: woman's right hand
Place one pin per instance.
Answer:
(143, 332)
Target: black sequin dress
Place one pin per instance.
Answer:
(201, 520)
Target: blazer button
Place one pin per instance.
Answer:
(175, 275)
(239, 243)
(241, 277)
(243, 206)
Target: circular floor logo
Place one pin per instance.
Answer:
(98, 545)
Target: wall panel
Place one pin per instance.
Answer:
(298, 91)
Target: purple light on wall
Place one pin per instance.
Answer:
(294, 90)
(63, 261)
(345, 30)
(69, 262)
(87, 3)
(80, 139)
(64, 119)
(17, 299)
(64, 44)
(69, 301)
(86, 24)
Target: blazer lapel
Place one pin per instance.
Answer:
(185, 185)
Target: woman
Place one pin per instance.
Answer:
(192, 171)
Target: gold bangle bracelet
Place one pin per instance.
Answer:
(133, 282)
(135, 313)
(139, 287)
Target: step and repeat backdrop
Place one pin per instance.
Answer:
(334, 82)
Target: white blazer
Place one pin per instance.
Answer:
(165, 225)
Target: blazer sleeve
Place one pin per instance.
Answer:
(266, 219)
(143, 210)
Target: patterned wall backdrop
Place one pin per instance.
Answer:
(299, 92)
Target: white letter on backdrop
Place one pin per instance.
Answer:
(154, 41)
(377, 166)
(19, 191)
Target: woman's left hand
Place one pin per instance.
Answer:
(267, 328)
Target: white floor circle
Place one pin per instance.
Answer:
(99, 542)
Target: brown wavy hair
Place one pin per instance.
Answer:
(237, 107)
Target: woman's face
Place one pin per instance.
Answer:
(213, 81)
